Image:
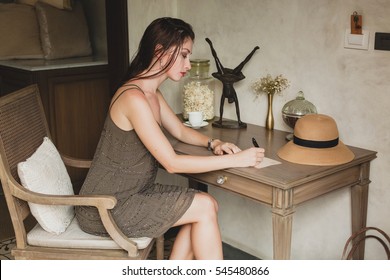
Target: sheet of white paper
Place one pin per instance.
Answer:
(268, 162)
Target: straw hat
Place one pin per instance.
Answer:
(316, 142)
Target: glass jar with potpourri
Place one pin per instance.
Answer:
(198, 91)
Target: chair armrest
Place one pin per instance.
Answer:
(75, 162)
(99, 201)
(116, 233)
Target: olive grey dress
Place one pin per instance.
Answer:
(124, 167)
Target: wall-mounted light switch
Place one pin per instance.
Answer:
(356, 41)
(382, 41)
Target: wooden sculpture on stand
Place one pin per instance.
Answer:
(228, 77)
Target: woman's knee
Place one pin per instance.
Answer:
(203, 207)
(207, 203)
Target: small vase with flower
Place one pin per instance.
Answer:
(270, 86)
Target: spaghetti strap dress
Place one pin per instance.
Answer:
(124, 168)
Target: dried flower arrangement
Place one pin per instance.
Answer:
(269, 85)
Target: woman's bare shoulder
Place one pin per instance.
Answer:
(126, 94)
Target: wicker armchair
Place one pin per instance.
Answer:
(22, 128)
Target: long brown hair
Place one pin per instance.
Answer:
(165, 32)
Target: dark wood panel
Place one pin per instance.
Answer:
(14, 79)
(117, 41)
(79, 111)
(75, 102)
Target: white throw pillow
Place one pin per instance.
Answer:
(45, 172)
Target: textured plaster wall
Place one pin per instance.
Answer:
(303, 40)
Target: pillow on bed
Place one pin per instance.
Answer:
(45, 172)
(60, 4)
(19, 32)
(63, 33)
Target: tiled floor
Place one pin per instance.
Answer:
(230, 253)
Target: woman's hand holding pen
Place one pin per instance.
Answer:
(261, 152)
(251, 157)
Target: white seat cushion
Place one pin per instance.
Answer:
(74, 237)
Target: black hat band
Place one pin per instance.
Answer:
(315, 144)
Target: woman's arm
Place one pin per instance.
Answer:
(142, 120)
(188, 135)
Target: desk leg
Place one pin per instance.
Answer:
(282, 217)
(359, 197)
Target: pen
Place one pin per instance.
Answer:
(255, 142)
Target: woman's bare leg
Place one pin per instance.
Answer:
(182, 248)
(204, 235)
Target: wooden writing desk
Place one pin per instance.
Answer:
(285, 186)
